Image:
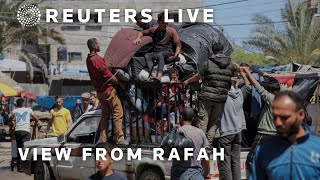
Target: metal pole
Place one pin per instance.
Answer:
(317, 109)
(155, 112)
(136, 113)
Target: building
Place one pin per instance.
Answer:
(314, 7)
(312, 4)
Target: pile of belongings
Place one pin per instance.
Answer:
(127, 59)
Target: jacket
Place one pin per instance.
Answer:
(216, 75)
(265, 124)
(277, 159)
(233, 120)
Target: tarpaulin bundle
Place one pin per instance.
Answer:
(197, 40)
(121, 48)
(305, 85)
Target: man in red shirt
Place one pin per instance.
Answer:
(103, 81)
(163, 39)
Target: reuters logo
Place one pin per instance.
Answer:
(28, 15)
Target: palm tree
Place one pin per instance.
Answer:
(296, 41)
(13, 33)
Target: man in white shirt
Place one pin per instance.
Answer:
(22, 115)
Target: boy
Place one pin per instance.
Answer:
(171, 97)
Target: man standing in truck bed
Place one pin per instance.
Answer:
(103, 81)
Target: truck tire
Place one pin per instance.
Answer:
(42, 171)
(151, 174)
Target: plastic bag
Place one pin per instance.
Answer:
(175, 139)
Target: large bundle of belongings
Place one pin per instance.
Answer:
(128, 59)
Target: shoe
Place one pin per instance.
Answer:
(123, 142)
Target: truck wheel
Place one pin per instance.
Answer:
(42, 171)
(151, 174)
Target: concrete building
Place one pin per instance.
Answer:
(314, 7)
(313, 4)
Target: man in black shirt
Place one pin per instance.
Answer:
(105, 172)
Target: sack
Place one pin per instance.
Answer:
(175, 139)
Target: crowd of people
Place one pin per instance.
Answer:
(231, 98)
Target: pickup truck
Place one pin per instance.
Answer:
(84, 133)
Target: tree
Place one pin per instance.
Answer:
(13, 33)
(252, 58)
(297, 41)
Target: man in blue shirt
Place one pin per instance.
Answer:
(294, 153)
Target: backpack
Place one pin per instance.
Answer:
(175, 139)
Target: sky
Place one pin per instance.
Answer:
(242, 12)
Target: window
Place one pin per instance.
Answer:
(44, 53)
(75, 56)
(70, 28)
(93, 28)
(85, 131)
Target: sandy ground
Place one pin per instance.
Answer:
(5, 159)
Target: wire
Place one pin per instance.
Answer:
(246, 24)
(252, 5)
